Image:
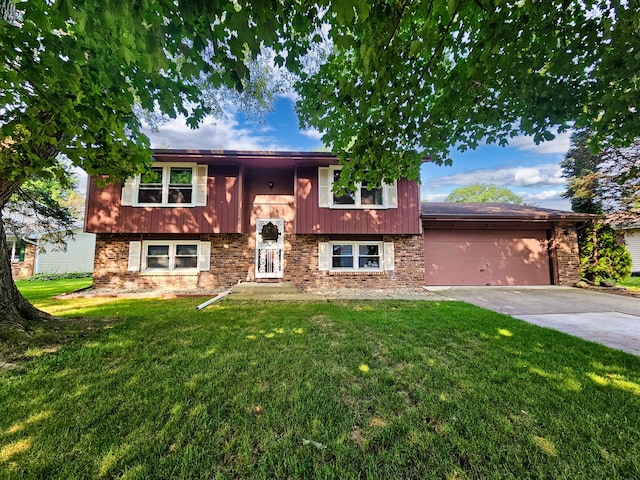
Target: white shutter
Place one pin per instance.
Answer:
(135, 249)
(389, 256)
(129, 191)
(391, 195)
(323, 256)
(324, 188)
(202, 174)
(204, 257)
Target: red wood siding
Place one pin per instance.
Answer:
(105, 214)
(310, 218)
(261, 201)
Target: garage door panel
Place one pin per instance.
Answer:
(523, 250)
(487, 257)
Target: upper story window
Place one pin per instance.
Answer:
(364, 197)
(168, 185)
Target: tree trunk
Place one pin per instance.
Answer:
(16, 313)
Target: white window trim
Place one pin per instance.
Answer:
(385, 250)
(138, 257)
(13, 250)
(355, 254)
(199, 175)
(326, 194)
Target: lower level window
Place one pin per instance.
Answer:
(356, 256)
(170, 256)
(16, 250)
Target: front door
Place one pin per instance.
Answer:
(269, 247)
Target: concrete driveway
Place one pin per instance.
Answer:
(609, 319)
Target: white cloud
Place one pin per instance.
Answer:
(547, 199)
(559, 145)
(434, 197)
(312, 133)
(212, 134)
(546, 174)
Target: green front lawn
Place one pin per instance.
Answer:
(631, 283)
(353, 389)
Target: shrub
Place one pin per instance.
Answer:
(601, 255)
(48, 277)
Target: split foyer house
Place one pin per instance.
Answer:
(208, 219)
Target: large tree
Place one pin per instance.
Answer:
(409, 78)
(604, 183)
(484, 193)
(402, 78)
(71, 75)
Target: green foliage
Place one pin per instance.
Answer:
(579, 167)
(484, 193)
(71, 74)
(601, 255)
(50, 277)
(409, 79)
(43, 205)
(598, 185)
(386, 389)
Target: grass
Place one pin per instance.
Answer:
(388, 389)
(47, 336)
(631, 283)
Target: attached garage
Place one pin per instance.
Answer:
(499, 244)
(487, 257)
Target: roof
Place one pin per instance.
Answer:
(497, 212)
(271, 159)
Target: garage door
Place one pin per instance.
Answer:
(486, 257)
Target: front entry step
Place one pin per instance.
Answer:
(267, 291)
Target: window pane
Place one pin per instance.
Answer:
(342, 256)
(370, 196)
(153, 176)
(180, 195)
(186, 262)
(158, 256)
(187, 250)
(367, 250)
(369, 256)
(343, 250)
(158, 250)
(150, 195)
(180, 176)
(158, 262)
(342, 262)
(348, 198)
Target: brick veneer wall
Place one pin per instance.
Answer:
(24, 269)
(565, 253)
(232, 259)
(302, 265)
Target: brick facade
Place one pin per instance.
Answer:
(233, 260)
(302, 267)
(24, 269)
(565, 255)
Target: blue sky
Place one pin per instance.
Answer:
(529, 170)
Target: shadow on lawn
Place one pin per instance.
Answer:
(391, 389)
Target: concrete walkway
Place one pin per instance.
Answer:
(612, 320)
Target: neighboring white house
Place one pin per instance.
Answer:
(37, 255)
(632, 241)
(78, 256)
